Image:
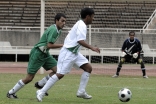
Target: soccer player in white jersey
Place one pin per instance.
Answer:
(70, 55)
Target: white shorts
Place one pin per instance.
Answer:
(67, 59)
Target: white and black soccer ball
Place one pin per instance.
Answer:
(125, 95)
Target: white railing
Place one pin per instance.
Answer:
(93, 30)
(13, 28)
(86, 52)
(15, 50)
(149, 21)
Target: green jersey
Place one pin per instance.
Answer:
(49, 36)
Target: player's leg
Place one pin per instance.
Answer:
(43, 81)
(42, 92)
(119, 67)
(33, 66)
(50, 64)
(64, 65)
(20, 84)
(83, 63)
(140, 61)
(142, 68)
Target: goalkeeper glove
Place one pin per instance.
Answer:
(123, 54)
(135, 55)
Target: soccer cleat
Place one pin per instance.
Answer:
(39, 95)
(145, 76)
(12, 96)
(115, 76)
(83, 95)
(37, 86)
(40, 87)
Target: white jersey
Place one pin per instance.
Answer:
(78, 32)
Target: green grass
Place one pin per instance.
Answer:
(104, 90)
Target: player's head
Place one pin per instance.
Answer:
(87, 14)
(60, 20)
(131, 35)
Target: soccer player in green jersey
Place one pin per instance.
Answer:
(40, 56)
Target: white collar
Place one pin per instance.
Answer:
(132, 41)
(57, 28)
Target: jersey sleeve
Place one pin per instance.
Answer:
(52, 36)
(81, 32)
(124, 45)
(139, 48)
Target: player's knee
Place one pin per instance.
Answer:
(87, 67)
(122, 60)
(27, 80)
(54, 69)
(60, 76)
(89, 70)
(52, 73)
(142, 65)
(140, 61)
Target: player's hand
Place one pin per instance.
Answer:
(135, 55)
(123, 54)
(96, 49)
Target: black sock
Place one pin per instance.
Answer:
(118, 70)
(144, 72)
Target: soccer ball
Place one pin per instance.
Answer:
(124, 95)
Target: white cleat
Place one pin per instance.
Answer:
(145, 76)
(115, 76)
(83, 95)
(39, 95)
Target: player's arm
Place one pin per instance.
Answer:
(124, 46)
(139, 48)
(51, 45)
(135, 55)
(84, 44)
(123, 49)
(52, 38)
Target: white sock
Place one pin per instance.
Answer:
(17, 87)
(43, 81)
(52, 80)
(83, 81)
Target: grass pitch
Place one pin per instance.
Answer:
(104, 90)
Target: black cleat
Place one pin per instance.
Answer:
(12, 96)
(37, 86)
(46, 94)
(40, 87)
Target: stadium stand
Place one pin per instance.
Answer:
(20, 13)
(113, 15)
(6, 45)
(26, 13)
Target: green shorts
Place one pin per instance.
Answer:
(38, 59)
